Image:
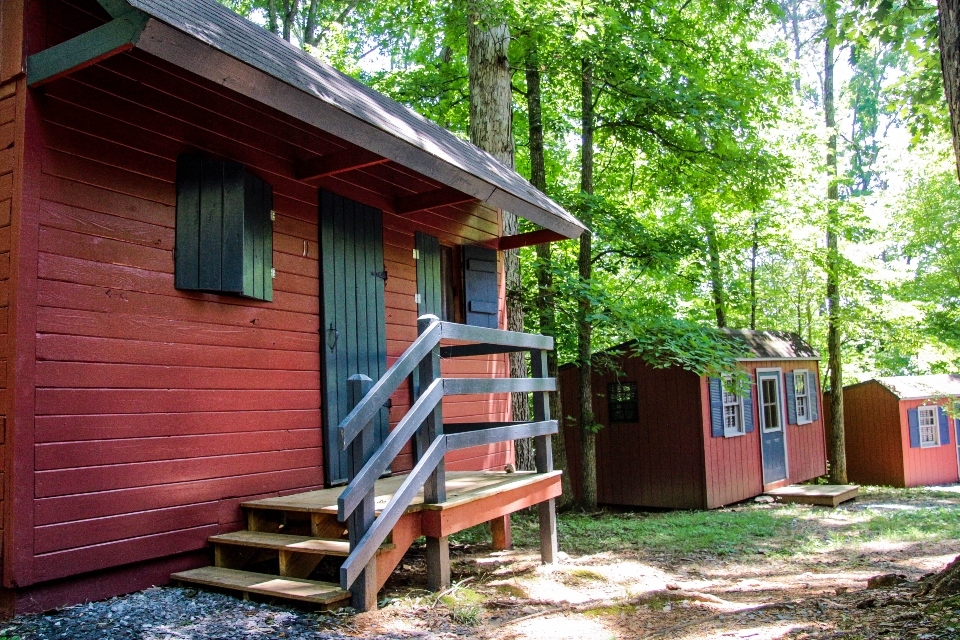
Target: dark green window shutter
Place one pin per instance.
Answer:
(791, 399)
(481, 286)
(428, 276)
(944, 426)
(716, 407)
(224, 235)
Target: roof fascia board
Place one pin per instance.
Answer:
(188, 53)
(774, 359)
(86, 49)
(115, 8)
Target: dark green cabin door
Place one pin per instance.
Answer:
(353, 332)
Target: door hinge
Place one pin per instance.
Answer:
(273, 215)
(273, 273)
(416, 298)
(380, 274)
(416, 254)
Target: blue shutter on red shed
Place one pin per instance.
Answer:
(748, 424)
(814, 394)
(716, 407)
(791, 399)
(944, 426)
(481, 286)
(914, 419)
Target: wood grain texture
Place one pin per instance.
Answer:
(874, 438)
(145, 401)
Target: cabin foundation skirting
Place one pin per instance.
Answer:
(98, 585)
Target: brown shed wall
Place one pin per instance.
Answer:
(874, 443)
(157, 411)
(657, 462)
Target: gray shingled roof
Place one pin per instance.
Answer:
(774, 345)
(215, 25)
(917, 387)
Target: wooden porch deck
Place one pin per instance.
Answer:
(827, 495)
(295, 532)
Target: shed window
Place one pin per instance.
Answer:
(622, 402)
(224, 235)
(802, 395)
(732, 410)
(929, 429)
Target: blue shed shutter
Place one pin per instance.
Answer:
(716, 408)
(944, 426)
(481, 286)
(428, 275)
(748, 424)
(914, 419)
(791, 399)
(814, 394)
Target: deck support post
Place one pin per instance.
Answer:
(501, 534)
(363, 591)
(435, 488)
(543, 451)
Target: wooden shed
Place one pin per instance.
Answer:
(898, 430)
(205, 235)
(673, 439)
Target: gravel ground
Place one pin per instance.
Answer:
(183, 614)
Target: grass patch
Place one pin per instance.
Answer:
(464, 605)
(785, 530)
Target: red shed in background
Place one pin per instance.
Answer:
(897, 430)
(673, 439)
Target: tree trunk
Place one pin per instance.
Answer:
(949, 20)
(716, 274)
(753, 274)
(491, 129)
(588, 436)
(838, 453)
(546, 296)
(272, 23)
(291, 7)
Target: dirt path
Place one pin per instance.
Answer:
(817, 589)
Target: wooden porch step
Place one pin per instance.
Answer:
(827, 495)
(285, 542)
(247, 582)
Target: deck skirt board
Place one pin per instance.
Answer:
(828, 495)
(310, 591)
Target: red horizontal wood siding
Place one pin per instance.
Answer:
(157, 411)
(657, 462)
(923, 466)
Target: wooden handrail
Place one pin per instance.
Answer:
(424, 420)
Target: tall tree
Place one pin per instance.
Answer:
(588, 434)
(838, 454)
(491, 129)
(948, 16)
(546, 296)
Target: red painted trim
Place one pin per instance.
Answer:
(442, 522)
(18, 541)
(528, 239)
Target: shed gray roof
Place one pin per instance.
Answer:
(455, 162)
(773, 345)
(919, 387)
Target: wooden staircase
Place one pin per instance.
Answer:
(290, 540)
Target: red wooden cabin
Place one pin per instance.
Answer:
(898, 432)
(204, 233)
(673, 439)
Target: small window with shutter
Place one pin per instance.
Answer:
(224, 234)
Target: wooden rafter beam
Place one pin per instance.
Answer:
(115, 8)
(337, 162)
(541, 236)
(116, 36)
(431, 199)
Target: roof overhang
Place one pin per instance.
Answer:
(210, 41)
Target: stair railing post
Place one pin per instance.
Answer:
(435, 488)
(364, 588)
(543, 453)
